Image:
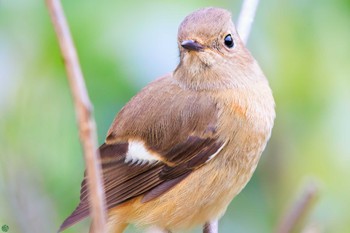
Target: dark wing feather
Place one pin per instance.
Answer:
(172, 175)
(198, 154)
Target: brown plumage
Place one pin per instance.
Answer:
(183, 147)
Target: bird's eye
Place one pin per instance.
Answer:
(229, 41)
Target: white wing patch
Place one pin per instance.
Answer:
(216, 153)
(138, 154)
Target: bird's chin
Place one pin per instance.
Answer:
(203, 59)
(193, 64)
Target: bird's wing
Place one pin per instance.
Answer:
(153, 145)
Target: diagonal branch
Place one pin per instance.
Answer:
(299, 209)
(246, 18)
(83, 108)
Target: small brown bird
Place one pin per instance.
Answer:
(185, 146)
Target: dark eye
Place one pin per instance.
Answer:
(229, 41)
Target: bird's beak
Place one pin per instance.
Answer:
(192, 45)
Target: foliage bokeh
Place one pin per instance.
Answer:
(302, 46)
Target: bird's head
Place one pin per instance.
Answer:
(211, 52)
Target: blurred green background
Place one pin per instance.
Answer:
(302, 46)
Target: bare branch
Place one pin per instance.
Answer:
(299, 209)
(246, 18)
(83, 108)
(211, 227)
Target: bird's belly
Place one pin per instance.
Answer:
(201, 197)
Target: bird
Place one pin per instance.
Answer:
(183, 147)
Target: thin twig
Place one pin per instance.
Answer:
(299, 209)
(211, 227)
(246, 18)
(83, 108)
